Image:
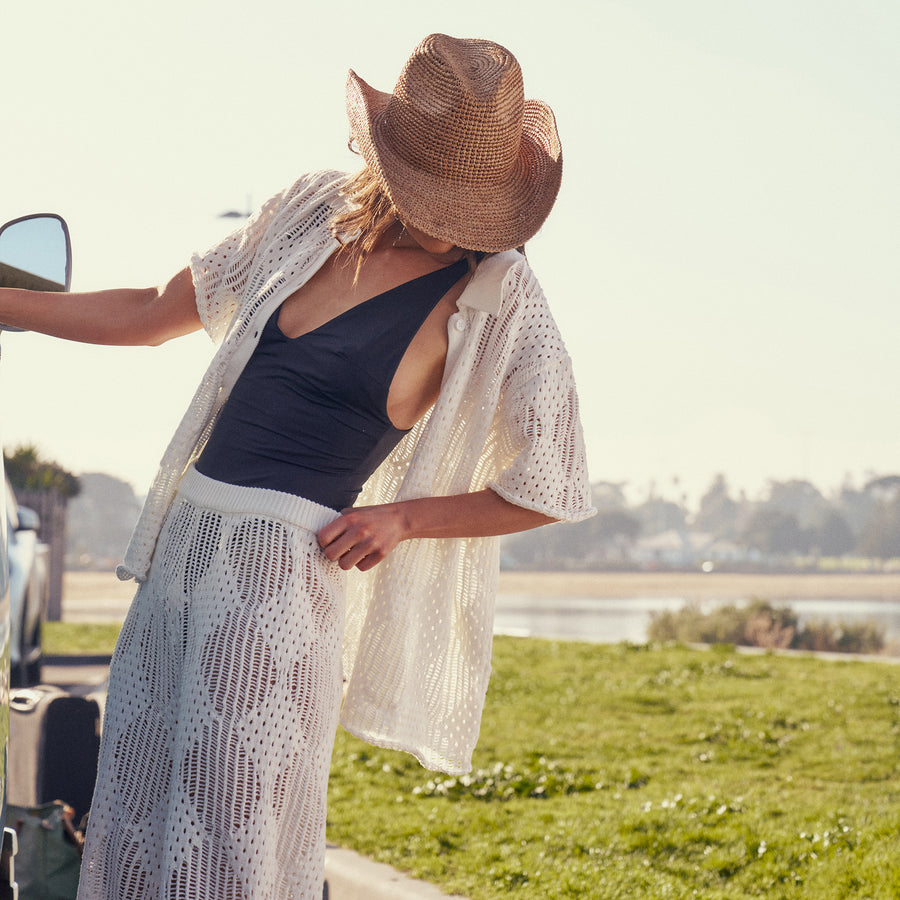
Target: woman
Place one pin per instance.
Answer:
(379, 331)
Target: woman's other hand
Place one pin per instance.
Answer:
(365, 535)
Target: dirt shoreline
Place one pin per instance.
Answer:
(102, 591)
(700, 586)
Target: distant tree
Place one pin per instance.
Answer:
(881, 536)
(773, 531)
(834, 536)
(872, 514)
(46, 487)
(885, 487)
(718, 512)
(856, 506)
(611, 526)
(656, 515)
(579, 545)
(26, 470)
(799, 498)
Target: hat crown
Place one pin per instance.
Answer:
(466, 98)
(461, 153)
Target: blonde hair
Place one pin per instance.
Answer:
(368, 216)
(370, 213)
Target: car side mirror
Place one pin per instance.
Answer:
(36, 254)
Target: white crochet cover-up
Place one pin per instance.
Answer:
(419, 629)
(208, 662)
(222, 708)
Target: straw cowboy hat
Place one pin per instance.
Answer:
(462, 154)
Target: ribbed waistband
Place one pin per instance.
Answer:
(203, 491)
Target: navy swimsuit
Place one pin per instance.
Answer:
(308, 415)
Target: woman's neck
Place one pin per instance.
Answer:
(405, 237)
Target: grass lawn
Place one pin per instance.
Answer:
(79, 638)
(615, 771)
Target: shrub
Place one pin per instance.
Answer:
(760, 624)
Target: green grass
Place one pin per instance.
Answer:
(616, 771)
(79, 638)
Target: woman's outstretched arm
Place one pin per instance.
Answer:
(364, 536)
(122, 316)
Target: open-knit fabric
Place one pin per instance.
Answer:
(419, 625)
(222, 708)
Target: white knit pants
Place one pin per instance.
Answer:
(223, 702)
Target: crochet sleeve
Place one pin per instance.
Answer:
(220, 275)
(541, 435)
(540, 438)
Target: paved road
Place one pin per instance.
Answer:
(81, 675)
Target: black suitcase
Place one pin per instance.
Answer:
(54, 743)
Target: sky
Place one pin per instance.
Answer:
(722, 258)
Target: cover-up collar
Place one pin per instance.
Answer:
(482, 291)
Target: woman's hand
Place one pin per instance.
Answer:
(365, 535)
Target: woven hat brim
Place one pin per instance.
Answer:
(489, 216)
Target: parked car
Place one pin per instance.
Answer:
(35, 254)
(29, 591)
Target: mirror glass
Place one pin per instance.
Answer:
(35, 253)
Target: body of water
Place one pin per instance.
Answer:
(613, 620)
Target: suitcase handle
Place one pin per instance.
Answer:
(25, 700)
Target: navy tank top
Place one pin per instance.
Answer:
(308, 415)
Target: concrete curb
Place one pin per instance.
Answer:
(349, 876)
